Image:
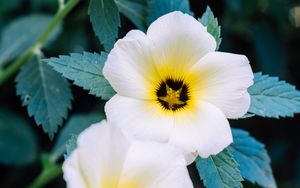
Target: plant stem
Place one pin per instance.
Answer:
(47, 175)
(61, 13)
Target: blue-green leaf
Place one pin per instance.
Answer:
(46, 94)
(85, 70)
(18, 144)
(219, 171)
(208, 19)
(16, 39)
(71, 145)
(105, 18)
(157, 8)
(134, 11)
(273, 98)
(74, 126)
(253, 159)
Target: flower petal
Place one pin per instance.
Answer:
(72, 173)
(97, 158)
(129, 67)
(225, 79)
(143, 119)
(178, 41)
(206, 131)
(156, 165)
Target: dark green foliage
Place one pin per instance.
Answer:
(18, 143)
(219, 171)
(157, 8)
(253, 159)
(85, 70)
(105, 18)
(273, 98)
(46, 94)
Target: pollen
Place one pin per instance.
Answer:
(172, 94)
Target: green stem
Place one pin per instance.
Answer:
(61, 13)
(48, 174)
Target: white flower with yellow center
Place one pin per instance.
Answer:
(173, 87)
(105, 158)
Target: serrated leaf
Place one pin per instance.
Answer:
(208, 19)
(219, 171)
(71, 145)
(21, 34)
(253, 159)
(46, 94)
(157, 8)
(18, 144)
(134, 11)
(273, 98)
(86, 71)
(105, 18)
(75, 125)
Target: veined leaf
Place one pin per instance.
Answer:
(16, 39)
(273, 98)
(18, 144)
(74, 126)
(46, 94)
(134, 11)
(105, 18)
(85, 70)
(219, 171)
(157, 8)
(208, 19)
(253, 159)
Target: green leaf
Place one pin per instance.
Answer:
(273, 98)
(219, 171)
(157, 8)
(75, 125)
(105, 18)
(22, 34)
(134, 11)
(71, 145)
(86, 71)
(46, 94)
(208, 19)
(18, 144)
(253, 159)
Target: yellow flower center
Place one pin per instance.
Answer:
(172, 94)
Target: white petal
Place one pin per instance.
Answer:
(143, 119)
(205, 131)
(100, 154)
(225, 79)
(155, 165)
(178, 41)
(129, 67)
(72, 174)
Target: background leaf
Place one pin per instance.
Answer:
(134, 11)
(70, 145)
(46, 94)
(85, 70)
(21, 34)
(157, 8)
(219, 171)
(273, 98)
(253, 159)
(18, 144)
(208, 19)
(105, 18)
(75, 125)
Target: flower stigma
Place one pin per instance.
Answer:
(172, 94)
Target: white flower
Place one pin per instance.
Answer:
(173, 87)
(105, 158)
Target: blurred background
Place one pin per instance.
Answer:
(266, 31)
